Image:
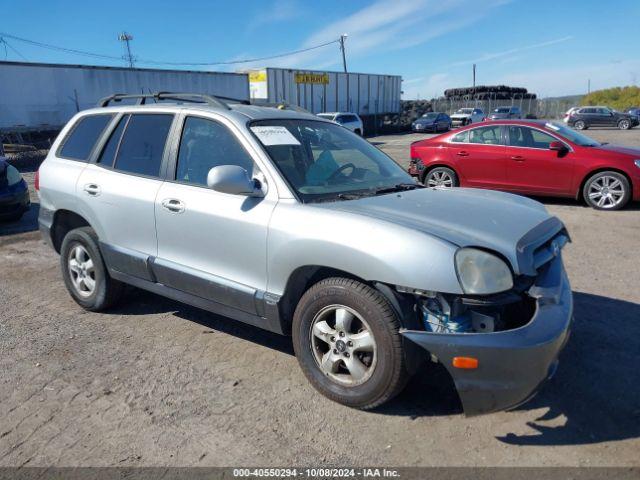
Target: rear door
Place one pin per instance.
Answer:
(480, 156)
(117, 194)
(533, 168)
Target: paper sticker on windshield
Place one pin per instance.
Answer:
(273, 135)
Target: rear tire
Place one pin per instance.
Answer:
(84, 272)
(624, 124)
(607, 191)
(441, 177)
(347, 341)
(580, 125)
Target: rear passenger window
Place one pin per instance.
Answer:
(462, 137)
(84, 135)
(486, 135)
(108, 155)
(142, 144)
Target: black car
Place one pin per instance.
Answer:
(432, 122)
(586, 117)
(14, 193)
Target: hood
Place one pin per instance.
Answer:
(617, 149)
(461, 115)
(425, 121)
(499, 115)
(465, 217)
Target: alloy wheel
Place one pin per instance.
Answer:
(343, 345)
(439, 178)
(81, 271)
(606, 191)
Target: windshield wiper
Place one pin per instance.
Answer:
(400, 187)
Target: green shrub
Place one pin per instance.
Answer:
(619, 98)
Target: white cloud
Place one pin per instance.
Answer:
(492, 56)
(278, 11)
(384, 26)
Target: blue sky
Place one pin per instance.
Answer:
(550, 47)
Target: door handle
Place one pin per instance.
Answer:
(462, 153)
(517, 158)
(173, 205)
(92, 189)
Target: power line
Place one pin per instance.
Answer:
(156, 62)
(6, 44)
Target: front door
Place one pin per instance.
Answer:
(532, 167)
(212, 244)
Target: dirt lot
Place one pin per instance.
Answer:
(159, 383)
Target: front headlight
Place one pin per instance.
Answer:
(637, 162)
(13, 175)
(481, 273)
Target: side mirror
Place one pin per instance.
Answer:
(235, 180)
(557, 146)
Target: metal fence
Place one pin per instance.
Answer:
(540, 108)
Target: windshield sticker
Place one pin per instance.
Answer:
(272, 135)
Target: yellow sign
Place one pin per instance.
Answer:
(258, 76)
(318, 78)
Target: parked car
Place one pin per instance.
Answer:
(532, 158)
(291, 223)
(505, 113)
(432, 122)
(568, 113)
(634, 111)
(14, 193)
(467, 116)
(348, 120)
(586, 117)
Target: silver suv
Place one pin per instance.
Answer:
(296, 225)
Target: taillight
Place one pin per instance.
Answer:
(36, 180)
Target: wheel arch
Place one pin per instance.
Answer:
(304, 277)
(63, 222)
(591, 173)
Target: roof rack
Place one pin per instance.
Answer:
(179, 97)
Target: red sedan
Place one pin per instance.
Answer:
(530, 157)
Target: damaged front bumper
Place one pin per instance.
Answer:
(512, 364)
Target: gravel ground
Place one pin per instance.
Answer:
(157, 383)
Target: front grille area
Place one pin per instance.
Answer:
(549, 249)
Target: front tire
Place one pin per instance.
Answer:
(607, 191)
(346, 339)
(624, 124)
(84, 272)
(580, 125)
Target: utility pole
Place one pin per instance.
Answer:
(588, 86)
(125, 37)
(474, 78)
(343, 37)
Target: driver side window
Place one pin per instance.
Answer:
(206, 144)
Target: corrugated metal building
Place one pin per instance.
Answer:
(39, 95)
(320, 91)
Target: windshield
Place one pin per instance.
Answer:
(430, 115)
(327, 115)
(501, 110)
(465, 111)
(572, 135)
(323, 161)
